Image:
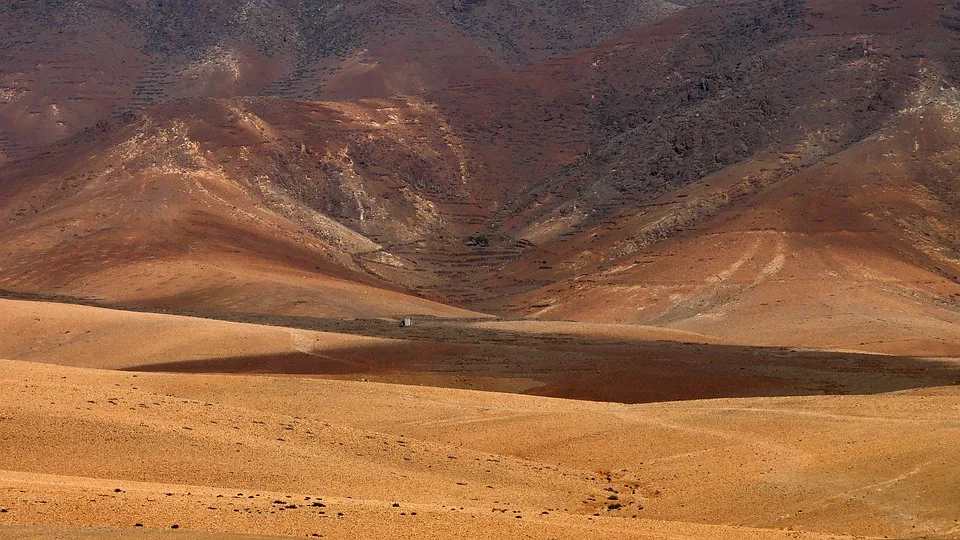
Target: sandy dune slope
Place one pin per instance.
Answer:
(92, 337)
(301, 457)
(602, 362)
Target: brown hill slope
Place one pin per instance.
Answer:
(89, 337)
(165, 210)
(783, 91)
(572, 171)
(859, 251)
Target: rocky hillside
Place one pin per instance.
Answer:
(66, 65)
(547, 154)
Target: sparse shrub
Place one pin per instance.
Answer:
(480, 240)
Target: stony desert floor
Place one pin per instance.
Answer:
(95, 452)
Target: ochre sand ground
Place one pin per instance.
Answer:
(91, 448)
(87, 451)
(83, 336)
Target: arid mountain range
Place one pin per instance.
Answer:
(697, 168)
(715, 243)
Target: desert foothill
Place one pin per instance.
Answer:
(480, 269)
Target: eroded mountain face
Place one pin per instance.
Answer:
(66, 65)
(642, 162)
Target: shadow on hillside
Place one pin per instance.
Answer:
(615, 370)
(445, 352)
